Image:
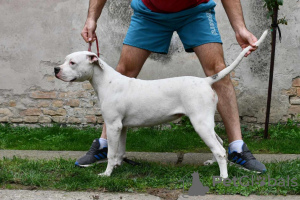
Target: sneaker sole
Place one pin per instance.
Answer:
(241, 167)
(89, 165)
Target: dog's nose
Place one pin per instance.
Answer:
(56, 70)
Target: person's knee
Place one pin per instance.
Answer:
(126, 70)
(216, 68)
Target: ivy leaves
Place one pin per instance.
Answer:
(271, 4)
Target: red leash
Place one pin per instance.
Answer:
(97, 45)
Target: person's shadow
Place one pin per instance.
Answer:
(197, 188)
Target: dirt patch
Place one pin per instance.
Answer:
(164, 193)
(16, 186)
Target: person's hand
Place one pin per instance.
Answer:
(88, 31)
(246, 38)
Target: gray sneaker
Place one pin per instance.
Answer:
(246, 160)
(94, 155)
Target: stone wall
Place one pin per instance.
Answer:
(294, 97)
(35, 39)
(45, 107)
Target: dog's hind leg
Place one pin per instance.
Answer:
(204, 126)
(115, 146)
(213, 160)
(122, 148)
(219, 139)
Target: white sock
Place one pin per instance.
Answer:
(103, 143)
(236, 146)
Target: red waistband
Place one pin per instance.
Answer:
(171, 6)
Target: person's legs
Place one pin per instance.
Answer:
(130, 64)
(212, 60)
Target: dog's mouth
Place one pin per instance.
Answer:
(74, 79)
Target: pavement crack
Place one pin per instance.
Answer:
(180, 156)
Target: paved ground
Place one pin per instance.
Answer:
(61, 195)
(188, 158)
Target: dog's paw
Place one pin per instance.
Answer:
(220, 179)
(208, 162)
(104, 174)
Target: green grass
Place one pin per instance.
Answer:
(60, 174)
(179, 138)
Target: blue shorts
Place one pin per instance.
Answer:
(153, 31)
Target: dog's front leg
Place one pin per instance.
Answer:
(114, 147)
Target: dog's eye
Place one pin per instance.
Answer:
(72, 63)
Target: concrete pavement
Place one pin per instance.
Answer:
(184, 158)
(62, 195)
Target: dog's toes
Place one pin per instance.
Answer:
(103, 174)
(208, 162)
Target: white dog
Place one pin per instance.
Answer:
(129, 102)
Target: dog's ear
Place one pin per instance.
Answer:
(94, 59)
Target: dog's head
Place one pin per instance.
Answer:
(78, 66)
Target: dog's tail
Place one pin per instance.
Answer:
(227, 70)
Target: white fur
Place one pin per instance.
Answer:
(128, 102)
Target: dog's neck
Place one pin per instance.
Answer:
(102, 78)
